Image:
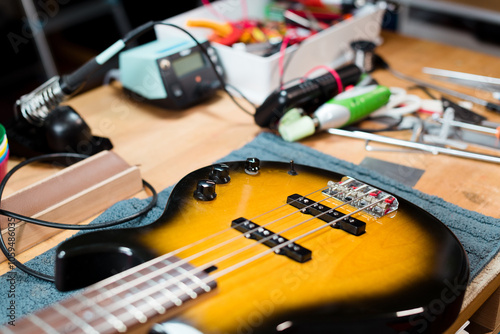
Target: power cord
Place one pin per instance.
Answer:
(50, 157)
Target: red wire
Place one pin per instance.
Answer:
(332, 71)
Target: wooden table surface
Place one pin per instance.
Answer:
(169, 144)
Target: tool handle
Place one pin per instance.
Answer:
(493, 107)
(317, 90)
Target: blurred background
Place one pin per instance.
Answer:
(69, 32)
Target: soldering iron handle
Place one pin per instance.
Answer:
(317, 90)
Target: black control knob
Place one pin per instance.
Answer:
(252, 166)
(220, 174)
(205, 190)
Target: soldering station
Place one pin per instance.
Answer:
(179, 72)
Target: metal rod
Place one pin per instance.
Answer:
(468, 126)
(462, 75)
(440, 89)
(418, 146)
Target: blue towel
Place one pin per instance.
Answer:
(479, 234)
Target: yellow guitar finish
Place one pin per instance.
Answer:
(396, 251)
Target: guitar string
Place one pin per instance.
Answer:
(136, 269)
(177, 251)
(234, 267)
(172, 266)
(214, 261)
(157, 288)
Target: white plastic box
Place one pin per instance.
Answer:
(257, 76)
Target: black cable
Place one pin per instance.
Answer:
(3, 183)
(389, 127)
(241, 95)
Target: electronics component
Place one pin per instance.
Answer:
(173, 73)
(344, 109)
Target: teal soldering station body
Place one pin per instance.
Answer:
(173, 73)
(344, 109)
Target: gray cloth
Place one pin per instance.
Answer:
(479, 234)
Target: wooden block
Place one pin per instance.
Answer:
(488, 315)
(70, 196)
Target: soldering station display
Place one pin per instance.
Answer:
(171, 73)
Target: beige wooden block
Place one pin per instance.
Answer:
(70, 196)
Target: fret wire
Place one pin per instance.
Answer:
(188, 274)
(167, 293)
(154, 304)
(190, 292)
(75, 319)
(109, 317)
(132, 309)
(42, 324)
(6, 330)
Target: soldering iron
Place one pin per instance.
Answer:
(309, 94)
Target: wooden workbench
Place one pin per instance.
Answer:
(168, 144)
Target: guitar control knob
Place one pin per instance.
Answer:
(252, 166)
(205, 190)
(220, 174)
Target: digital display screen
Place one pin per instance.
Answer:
(187, 64)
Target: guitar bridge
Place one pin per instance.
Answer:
(254, 231)
(361, 195)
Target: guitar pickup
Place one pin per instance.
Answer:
(346, 223)
(254, 231)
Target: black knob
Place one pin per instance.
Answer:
(252, 166)
(220, 174)
(205, 190)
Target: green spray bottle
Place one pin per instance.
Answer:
(344, 109)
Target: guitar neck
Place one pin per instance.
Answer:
(146, 293)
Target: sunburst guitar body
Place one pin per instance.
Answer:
(265, 247)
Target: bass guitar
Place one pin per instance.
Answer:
(264, 247)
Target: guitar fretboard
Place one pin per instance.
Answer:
(121, 302)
